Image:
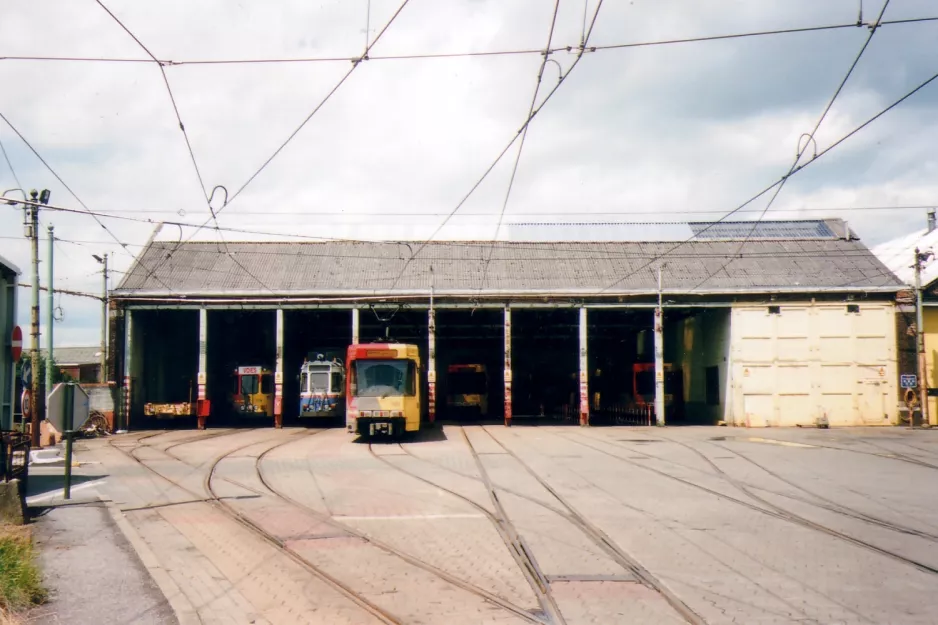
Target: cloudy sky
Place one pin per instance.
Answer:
(633, 134)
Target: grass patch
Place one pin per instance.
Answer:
(20, 578)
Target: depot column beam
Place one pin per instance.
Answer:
(354, 326)
(278, 373)
(128, 357)
(431, 365)
(202, 406)
(584, 372)
(659, 366)
(507, 366)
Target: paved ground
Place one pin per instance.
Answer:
(533, 524)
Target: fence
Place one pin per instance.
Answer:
(14, 457)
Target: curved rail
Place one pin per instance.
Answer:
(472, 588)
(229, 510)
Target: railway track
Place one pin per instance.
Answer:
(812, 499)
(604, 542)
(229, 510)
(410, 559)
(521, 556)
(771, 509)
(886, 453)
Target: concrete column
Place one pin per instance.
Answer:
(278, 373)
(431, 366)
(507, 366)
(201, 412)
(584, 372)
(659, 366)
(354, 326)
(128, 357)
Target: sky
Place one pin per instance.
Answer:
(655, 133)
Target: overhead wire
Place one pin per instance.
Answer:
(355, 64)
(524, 133)
(767, 189)
(811, 137)
(182, 127)
(470, 54)
(501, 155)
(6, 157)
(70, 191)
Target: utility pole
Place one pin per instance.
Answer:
(102, 376)
(920, 259)
(659, 357)
(49, 313)
(32, 232)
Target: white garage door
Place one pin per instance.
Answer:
(793, 364)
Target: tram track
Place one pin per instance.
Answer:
(390, 549)
(604, 542)
(812, 499)
(771, 510)
(519, 553)
(887, 454)
(230, 511)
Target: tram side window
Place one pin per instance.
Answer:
(266, 384)
(304, 382)
(336, 382)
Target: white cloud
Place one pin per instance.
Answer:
(660, 131)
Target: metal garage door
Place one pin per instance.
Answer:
(793, 364)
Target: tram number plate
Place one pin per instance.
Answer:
(381, 428)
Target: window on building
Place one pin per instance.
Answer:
(713, 386)
(775, 310)
(853, 309)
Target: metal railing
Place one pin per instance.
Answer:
(14, 456)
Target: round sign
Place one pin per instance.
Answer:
(26, 404)
(17, 344)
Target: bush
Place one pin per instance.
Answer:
(20, 578)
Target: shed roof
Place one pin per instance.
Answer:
(457, 268)
(81, 355)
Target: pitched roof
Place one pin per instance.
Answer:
(899, 255)
(90, 355)
(346, 268)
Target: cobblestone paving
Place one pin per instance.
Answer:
(739, 526)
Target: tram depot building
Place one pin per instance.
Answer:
(779, 324)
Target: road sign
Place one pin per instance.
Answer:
(17, 344)
(26, 406)
(57, 407)
(26, 373)
(908, 380)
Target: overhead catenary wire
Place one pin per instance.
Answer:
(182, 127)
(524, 133)
(504, 151)
(465, 54)
(69, 189)
(356, 62)
(6, 157)
(800, 152)
(800, 168)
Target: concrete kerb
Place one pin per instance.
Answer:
(185, 612)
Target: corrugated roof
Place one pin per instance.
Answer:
(899, 255)
(76, 355)
(369, 268)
